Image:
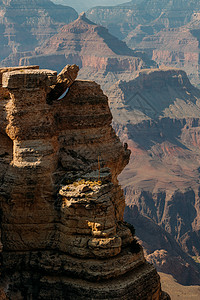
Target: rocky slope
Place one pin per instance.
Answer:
(167, 31)
(27, 24)
(90, 46)
(125, 17)
(178, 291)
(178, 47)
(158, 115)
(62, 229)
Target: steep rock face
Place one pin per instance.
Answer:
(158, 115)
(123, 18)
(61, 205)
(90, 46)
(27, 24)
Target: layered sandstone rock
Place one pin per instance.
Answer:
(121, 19)
(172, 47)
(63, 233)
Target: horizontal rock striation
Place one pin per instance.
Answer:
(62, 228)
(167, 31)
(172, 47)
(27, 24)
(122, 19)
(88, 45)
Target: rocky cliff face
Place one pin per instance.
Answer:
(90, 46)
(27, 24)
(62, 229)
(158, 115)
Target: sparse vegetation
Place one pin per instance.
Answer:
(87, 182)
(196, 259)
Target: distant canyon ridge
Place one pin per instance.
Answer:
(81, 5)
(168, 31)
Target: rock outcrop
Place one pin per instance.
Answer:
(62, 228)
(27, 24)
(158, 115)
(136, 105)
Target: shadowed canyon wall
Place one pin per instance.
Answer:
(157, 114)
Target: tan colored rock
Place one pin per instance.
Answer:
(62, 208)
(64, 80)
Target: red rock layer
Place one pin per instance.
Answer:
(88, 45)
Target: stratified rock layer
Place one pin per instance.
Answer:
(121, 19)
(62, 228)
(167, 31)
(172, 47)
(88, 45)
(27, 24)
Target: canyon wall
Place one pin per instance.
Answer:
(27, 24)
(157, 114)
(62, 229)
(90, 46)
(122, 19)
(167, 31)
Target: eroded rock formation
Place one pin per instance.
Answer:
(172, 47)
(27, 24)
(62, 228)
(123, 18)
(167, 31)
(90, 46)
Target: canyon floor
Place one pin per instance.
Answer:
(178, 291)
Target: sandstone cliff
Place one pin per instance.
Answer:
(158, 114)
(148, 105)
(62, 229)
